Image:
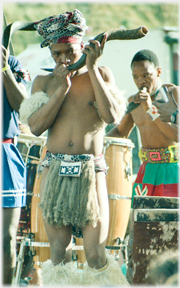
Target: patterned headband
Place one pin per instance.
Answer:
(68, 27)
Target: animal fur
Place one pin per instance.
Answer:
(61, 274)
(111, 276)
(31, 104)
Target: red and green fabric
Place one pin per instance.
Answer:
(159, 179)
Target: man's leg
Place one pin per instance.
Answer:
(95, 238)
(60, 242)
(59, 237)
(102, 269)
(60, 270)
(10, 224)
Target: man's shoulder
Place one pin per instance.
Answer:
(169, 85)
(104, 69)
(41, 82)
(106, 74)
(42, 79)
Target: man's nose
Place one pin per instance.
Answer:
(64, 59)
(141, 82)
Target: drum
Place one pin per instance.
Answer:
(118, 155)
(156, 230)
(30, 148)
(80, 254)
(37, 224)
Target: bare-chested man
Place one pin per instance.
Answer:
(158, 174)
(73, 192)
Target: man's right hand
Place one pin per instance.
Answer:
(62, 74)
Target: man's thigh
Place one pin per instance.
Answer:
(96, 236)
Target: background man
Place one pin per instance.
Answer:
(158, 174)
(13, 167)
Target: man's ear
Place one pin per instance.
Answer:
(82, 45)
(158, 72)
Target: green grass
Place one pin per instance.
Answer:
(99, 17)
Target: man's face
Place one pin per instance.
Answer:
(145, 74)
(66, 53)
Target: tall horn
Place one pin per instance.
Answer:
(112, 34)
(11, 28)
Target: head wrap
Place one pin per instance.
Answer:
(68, 27)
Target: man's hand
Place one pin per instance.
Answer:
(93, 52)
(167, 109)
(62, 75)
(143, 98)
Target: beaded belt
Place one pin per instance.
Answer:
(161, 155)
(70, 158)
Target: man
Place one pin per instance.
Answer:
(159, 139)
(74, 107)
(13, 167)
(158, 174)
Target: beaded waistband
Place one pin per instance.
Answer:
(161, 155)
(71, 158)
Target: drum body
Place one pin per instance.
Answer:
(80, 254)
(37, 224)
(118, 155)
(30, 148)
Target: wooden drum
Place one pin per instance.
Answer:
(37, 224)
(118, 155)
(80, 254)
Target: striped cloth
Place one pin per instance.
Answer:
(159, 173)
(157, 180)
(13, 177)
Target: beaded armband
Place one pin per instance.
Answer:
(153, 112)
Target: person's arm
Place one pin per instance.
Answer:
(102, 81)
(124, 128)
(170, 108)
(168, 129)
(16, 92)
(44, 117)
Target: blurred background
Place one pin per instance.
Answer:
(161, 19)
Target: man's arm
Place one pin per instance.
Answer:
(16, 92)
(124, 129)
(168, 129)
(44, 117)
(102, 81)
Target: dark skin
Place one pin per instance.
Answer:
(74, 127)
(15, 92)
(154, 134)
